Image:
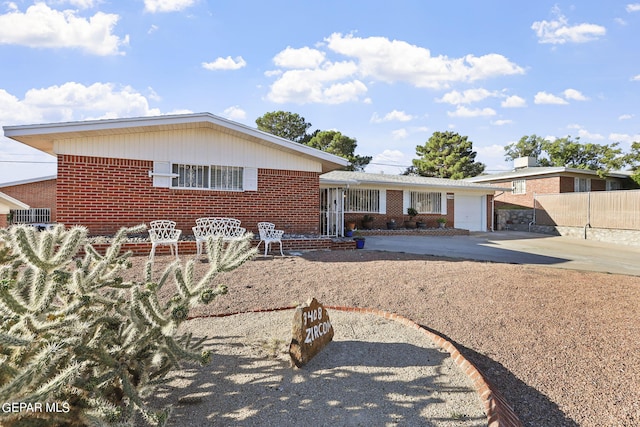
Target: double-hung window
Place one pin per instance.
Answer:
(519, 186)
(362, 200)
(582, 185)
(212, 177)
(426, 202)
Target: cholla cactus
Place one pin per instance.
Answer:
(79, 346)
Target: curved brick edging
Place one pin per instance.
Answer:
(499, 412)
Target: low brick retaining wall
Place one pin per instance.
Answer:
(416, 232)
(499, 412)
(188, 247)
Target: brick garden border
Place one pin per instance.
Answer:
(499, 412)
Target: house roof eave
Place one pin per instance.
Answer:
(42, 136)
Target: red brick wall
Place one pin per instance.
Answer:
(41, 194)
(105, 194)
(548, 185)
(395, 211)
(3, 220)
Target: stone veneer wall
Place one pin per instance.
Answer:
(623, 237)
(514, 219)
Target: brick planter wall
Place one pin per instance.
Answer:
(105, 194)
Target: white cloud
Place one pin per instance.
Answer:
(320, 85)
(74, 101)
(548, 98)
(42, 27)
(234, 113)
(633, 7)
(81, 4)
(501, 122)
(394, 61)
(585, 134)
(466, 112)
(514, 101)
(559, 31)
(155, 6)
(227, 63)
(624, 137)
(306, 75)
(299, 58)
(400, 134)
(467, 97)
(625, 117)
(394, 115)
(636, 78)
(575, 95)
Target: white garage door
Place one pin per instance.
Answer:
(470, 212)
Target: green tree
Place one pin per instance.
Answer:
(527, 146)
(341, 145)
(633, 160)
(447, 155)
(571, 153)
(284, 124)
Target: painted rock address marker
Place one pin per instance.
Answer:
(312, 331)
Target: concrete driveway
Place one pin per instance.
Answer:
(516, 247)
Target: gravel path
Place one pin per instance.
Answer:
(375, 372)
(562, 346)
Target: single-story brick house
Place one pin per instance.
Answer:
(7, 204)
(123, 172)
(528, 179)
(348, 196)
(38, 193)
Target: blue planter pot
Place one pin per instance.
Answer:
(359, 243)
(348, 233)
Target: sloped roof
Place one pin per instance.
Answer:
(7, 203)
(42, 136)
(28, 181)
(538, 171)
(359, 178)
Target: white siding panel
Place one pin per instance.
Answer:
(195, 146)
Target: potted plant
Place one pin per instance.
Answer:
(367, 222)
(441, 221)
(420, 223)
(391, 224)
(351, 225)
(411, 223)
(359, 239)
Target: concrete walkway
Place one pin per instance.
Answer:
(519, 248)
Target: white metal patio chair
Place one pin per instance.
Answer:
(164, 232)
(268, 235)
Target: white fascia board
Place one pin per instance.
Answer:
(28, 181)
(12, 203)
(16, 132)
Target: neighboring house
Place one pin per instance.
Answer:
(39, 194)
(348, 196)
(526, 180)
(8, 203)
(124, 172)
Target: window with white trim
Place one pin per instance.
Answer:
(613, 184)
(362, 200)
(519, 186)
(426, 203)
(582, 185)
(214, 177)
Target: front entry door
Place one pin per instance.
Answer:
(332, 211)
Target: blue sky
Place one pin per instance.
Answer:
(386, 73)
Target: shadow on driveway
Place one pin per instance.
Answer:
(514, 247)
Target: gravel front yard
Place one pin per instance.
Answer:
(562, 346)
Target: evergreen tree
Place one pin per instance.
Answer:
(447, 155)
